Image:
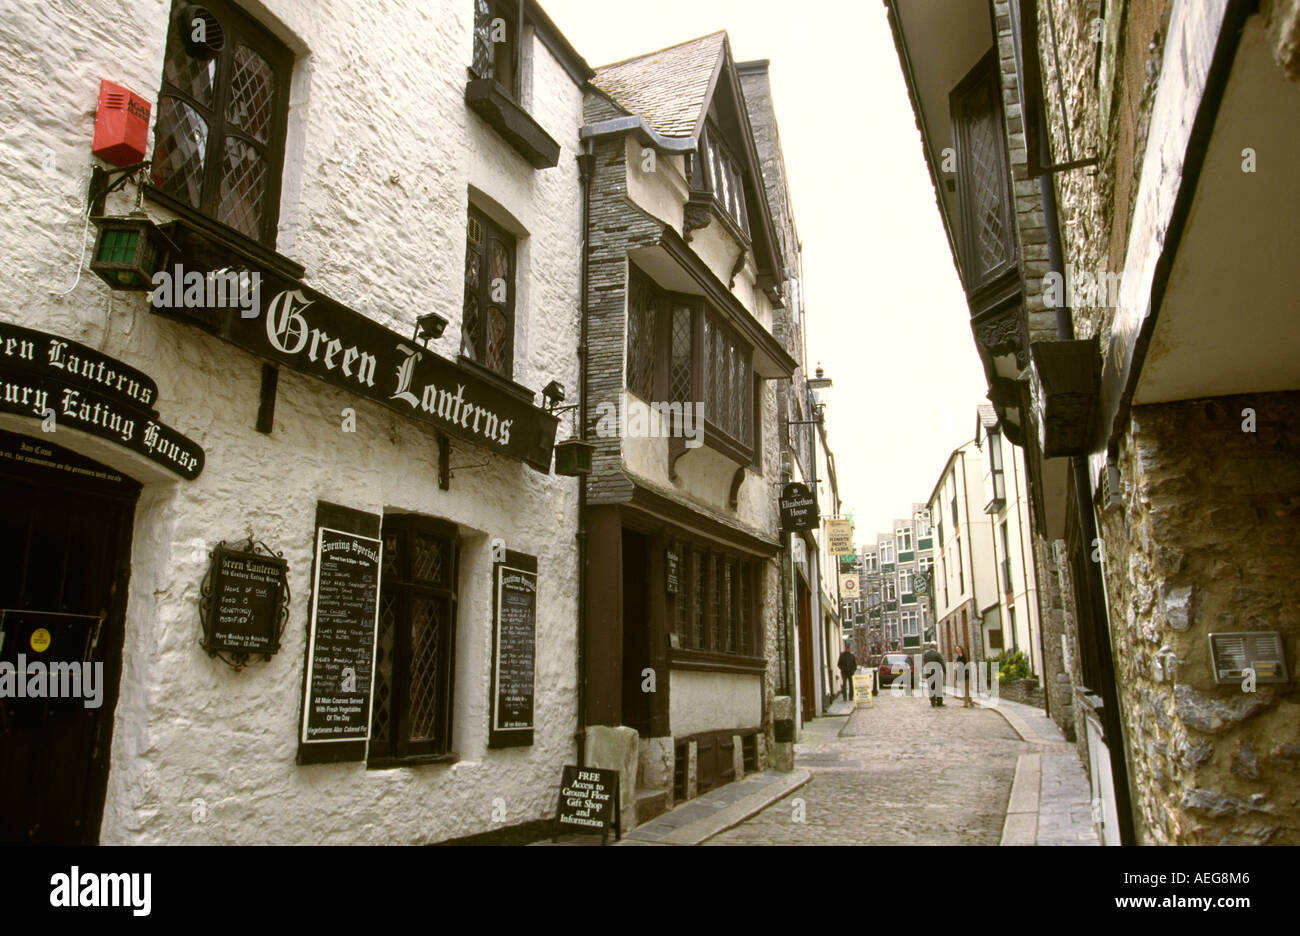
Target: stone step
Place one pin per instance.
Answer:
(650, 804)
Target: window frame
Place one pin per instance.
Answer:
(512, 11)
(491, 231)
(239, 28)
(398, 749)
(705, 321)
(704, 573)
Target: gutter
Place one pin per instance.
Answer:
(634, 123)
(586, 165)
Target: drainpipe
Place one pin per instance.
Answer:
(1088, 524)
(586, 163)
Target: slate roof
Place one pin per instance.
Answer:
(667, 87)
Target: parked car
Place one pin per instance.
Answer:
(892, 666)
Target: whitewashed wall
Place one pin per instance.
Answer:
(381, 157)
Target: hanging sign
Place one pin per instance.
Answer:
(849, 586)
(341, 651)
(514, 651)
(839, 536)
(798, 508)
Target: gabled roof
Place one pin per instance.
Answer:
(670, 88)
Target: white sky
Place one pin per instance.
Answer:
(886, 315)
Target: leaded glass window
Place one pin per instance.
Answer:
(222, 108)
(488, 314)
(412, 710)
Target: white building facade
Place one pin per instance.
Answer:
(347, 163)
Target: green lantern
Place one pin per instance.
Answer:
(573, 457)
(128, 251)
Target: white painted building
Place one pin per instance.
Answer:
(984, 593)
(346, 159)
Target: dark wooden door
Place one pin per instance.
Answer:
(636, 632)
(64, 562)
(807, 681)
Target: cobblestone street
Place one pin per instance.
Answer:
(900, 772)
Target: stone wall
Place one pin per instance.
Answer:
(1208, 540)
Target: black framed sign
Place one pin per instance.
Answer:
(514, 650)
(589, 802)
(244, 601)
(798, 508)
(673, 571)
(344, 625)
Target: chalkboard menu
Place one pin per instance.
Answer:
(515, 650)
(341, 651)
(245, 599)
(589, 802)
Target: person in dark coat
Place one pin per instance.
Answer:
(933, 675)
(848, 665)
(961, 662)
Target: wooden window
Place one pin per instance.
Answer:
(414, 662)
(717, 608)
(222, 109)
(488, 318)
(498, 25)
(717, 171)
(679, 350)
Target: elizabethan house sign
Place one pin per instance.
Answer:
(315, 335)
(51, 378)
(798, 508)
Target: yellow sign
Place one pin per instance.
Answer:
(839, 534)
(40, 639)
(862, 688)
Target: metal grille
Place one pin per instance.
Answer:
(381, 722)
(742, 609)
(426, 637)
(252, 93)
(243, 182)
(182, 145)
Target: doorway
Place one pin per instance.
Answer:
(807, 682)
(65, 543)
(636, 630)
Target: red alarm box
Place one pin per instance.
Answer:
(121, 125)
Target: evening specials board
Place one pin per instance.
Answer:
(513, 679)
(344, 625)
(244, 608)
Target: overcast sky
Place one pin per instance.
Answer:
(886, 315)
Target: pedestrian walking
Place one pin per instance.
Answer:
(848, 665)
(966, 676)
(933, 675)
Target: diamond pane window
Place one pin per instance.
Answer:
(701, 611)
(180, 150)
(222, 109)
(243, 185)
(487, 323)
(412, 712)
(252, 93)
(680, 368)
